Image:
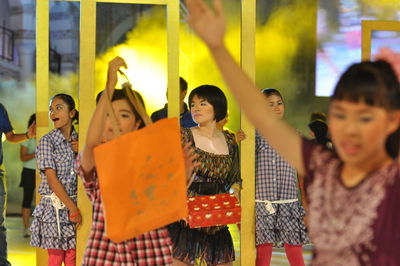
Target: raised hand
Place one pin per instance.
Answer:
(112, 77)
(209, 25)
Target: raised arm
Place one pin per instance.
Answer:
(210, 26)
(96, 126)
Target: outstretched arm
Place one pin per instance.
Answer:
(96, 126)
(210, 26)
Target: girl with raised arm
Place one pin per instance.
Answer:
(354, 192)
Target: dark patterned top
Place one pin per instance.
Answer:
(150, 248)
(351, 226)
(217, 172)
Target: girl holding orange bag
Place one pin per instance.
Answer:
(57, 215)
(217, 173)
(150, 248)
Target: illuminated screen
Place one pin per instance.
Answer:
(339, 37)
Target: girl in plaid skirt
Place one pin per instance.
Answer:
(279, 215)
(56, 216)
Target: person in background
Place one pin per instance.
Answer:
(279, 215)
(186, 119)
(11, 136)
(319, 129)
(27, 156)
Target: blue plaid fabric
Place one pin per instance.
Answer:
(55, 152)
(277, 180)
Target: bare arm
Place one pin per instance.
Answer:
(210, 27)
(96, 126)
(19, 137)
(60, 192)
(24, 155)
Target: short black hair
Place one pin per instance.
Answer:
(215, 96)
(183, 85)
(32, 119)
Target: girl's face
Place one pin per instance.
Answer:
(359, 131)
(276, 103)
(202, 111)
(125, 117)
(60, 114)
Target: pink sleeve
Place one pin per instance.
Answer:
(92, 186)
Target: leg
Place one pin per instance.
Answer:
(3, 205)
(294, 253)
(70, 257)
(26, 209)
(56, 257)
(264, 254)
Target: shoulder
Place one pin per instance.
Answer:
(316, 155)
(187, 134)
(230, 137)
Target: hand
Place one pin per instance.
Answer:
(391, 57)
(75, 146)
(32, 130)
(240, 135)
(190, 163)
(208, 25)
(75, 216)
(112, 76)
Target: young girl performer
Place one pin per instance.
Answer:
(353, 195)
(217, 173)
(57, 215)
(279, 215)
(150, 248)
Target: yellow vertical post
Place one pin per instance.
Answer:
(87, 105)
(42, 88)
(247, 232)
(173, 58)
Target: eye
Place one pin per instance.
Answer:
(59, 107)
(339, 115)
(125, 115)
(271, 105)
(191, 105)
(366, 119)
(203, 104)
(280, 103)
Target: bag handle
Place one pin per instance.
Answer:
(133, 99)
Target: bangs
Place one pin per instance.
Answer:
(363, 84)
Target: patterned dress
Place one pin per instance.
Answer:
(352, 226)
(151, 248)
(55, 152)
(276, 183)
(215, 175)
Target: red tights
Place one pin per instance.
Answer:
(294, 254)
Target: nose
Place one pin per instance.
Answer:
(350, 127)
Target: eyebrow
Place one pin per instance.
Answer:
(125, 110)
(363, 110)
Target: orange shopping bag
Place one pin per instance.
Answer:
(142, 180)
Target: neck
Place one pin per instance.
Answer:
(355, 173)
(66, 130)
(209, 129)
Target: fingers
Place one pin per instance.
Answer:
(218, 8)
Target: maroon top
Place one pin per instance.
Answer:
(351, 226)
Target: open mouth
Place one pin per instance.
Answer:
(55, 119)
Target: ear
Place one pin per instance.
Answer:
(72, 113)
(393, 121)
(137, 124)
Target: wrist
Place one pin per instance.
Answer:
(74, 214)
(26, 135)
